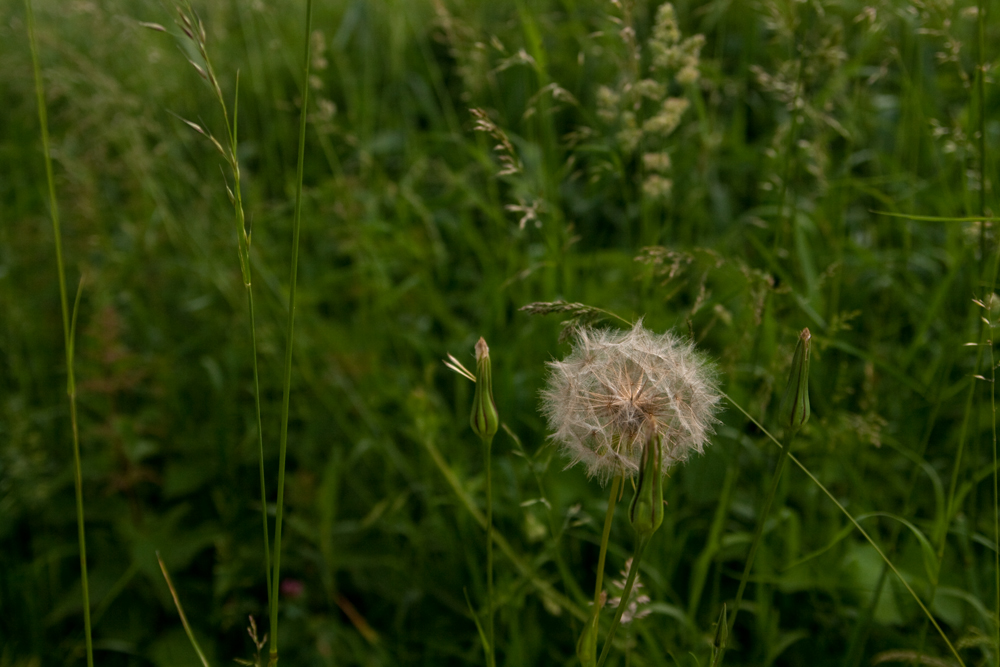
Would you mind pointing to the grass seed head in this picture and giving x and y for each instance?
(617, 389)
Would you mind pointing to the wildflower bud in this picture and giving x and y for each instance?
(794, 409)
(646, 511)
(586, 645)
(485, 419)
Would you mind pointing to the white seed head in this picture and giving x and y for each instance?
(618, 388)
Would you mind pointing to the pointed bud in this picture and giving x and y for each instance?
(646, 511)
(586, 645)
(485, 419)
(794, 409)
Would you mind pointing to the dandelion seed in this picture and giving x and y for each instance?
(618, 388)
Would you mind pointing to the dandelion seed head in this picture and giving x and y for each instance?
(618, 388)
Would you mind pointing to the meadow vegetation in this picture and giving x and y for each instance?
(732, 171)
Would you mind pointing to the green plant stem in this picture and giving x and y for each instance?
(180, 612)
(640, 546)
(260, 442)
(69, 330)
(757, 533)
(491, 658)
(605, 534)
(283, 447)
(981, 117)
(243, 247)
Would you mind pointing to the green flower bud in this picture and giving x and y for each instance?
(794, 409)
(485, 419)
(646, 511)
(586, 645)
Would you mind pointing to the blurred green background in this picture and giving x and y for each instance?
(806, 118)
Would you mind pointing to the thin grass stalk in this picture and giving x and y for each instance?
(640, 547)
(243, 245)
(857, 526)
(69, 331)
(290, 330)
(194, 29)
(260, 445)
(244, 240)
(984, 339)
(996, 498)
(491, 656)
(981, 98)
(757, 533)
(180, 613)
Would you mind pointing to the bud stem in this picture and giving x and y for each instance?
(758, 531)
(491, 659)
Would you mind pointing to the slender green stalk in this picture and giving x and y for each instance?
(640, 547)
(757, 533)
(260, 445)
(586, 648)
(996, 497)
(491, 656)
(608, 518)
(180, 612)
(195, 31)
(69, 331)
(981, 117)
(243, 243)
(283, 447)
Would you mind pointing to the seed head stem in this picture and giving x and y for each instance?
(608, 518)
(758, 531)
(640, 547)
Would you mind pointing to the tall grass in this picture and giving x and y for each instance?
(69, 332)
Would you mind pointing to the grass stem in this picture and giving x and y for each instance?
(69, 331)
(289, 338)
(180, 612)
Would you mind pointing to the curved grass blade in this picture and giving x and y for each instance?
(861, 530)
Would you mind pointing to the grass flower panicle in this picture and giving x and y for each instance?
(638, 603)
(618, 388)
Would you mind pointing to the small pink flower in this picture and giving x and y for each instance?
(292, 588)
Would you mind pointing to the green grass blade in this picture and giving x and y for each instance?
(861, 530)
(69, 329)
(289, 338)
(180, 612)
